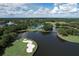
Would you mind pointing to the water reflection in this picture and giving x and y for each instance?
(45, 33)
(61, 40)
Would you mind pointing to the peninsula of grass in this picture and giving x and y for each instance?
(19, 49)
(68, 33)
(70, 38)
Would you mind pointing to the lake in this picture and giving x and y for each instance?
(50, 45)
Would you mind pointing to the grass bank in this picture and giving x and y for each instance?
(19, 49)
(70, 38)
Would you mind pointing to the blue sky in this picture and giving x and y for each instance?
(48, 10)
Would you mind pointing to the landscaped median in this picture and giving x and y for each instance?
(70, 38)
(21, 47)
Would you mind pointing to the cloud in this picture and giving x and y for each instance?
(42, 10)
(12, 9)
(64, 8)
(54, 10)
(23, 10)
(67, 7)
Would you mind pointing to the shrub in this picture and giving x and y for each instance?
(47, 27)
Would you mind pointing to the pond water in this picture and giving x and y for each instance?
(50, 45)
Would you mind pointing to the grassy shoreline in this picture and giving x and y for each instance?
(19, 49)
(34, 30)
(70, 38)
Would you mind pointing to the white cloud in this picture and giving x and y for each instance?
(55, 10)
(42, 10)
(22, 10)
(66, 8)
(63, 8)
(12, 9)
(74, 10)
(29, 11)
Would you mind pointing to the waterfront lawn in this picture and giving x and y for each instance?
(71, 38)
(18, 49)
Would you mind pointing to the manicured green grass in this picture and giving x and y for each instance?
(19, 49)
(32, 30)
(71, 38)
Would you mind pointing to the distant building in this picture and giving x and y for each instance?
(11, 23)
(2, 23)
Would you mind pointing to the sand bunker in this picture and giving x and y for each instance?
(30, 45)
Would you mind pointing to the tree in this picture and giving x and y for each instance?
(63, 32)
(1, 31)
(57, 24)
(6, 39)
(47, 27)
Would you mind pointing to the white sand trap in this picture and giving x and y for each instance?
(30, 45)
(29, 50)
(27, 41)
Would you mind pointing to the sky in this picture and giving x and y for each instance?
(39, 10)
